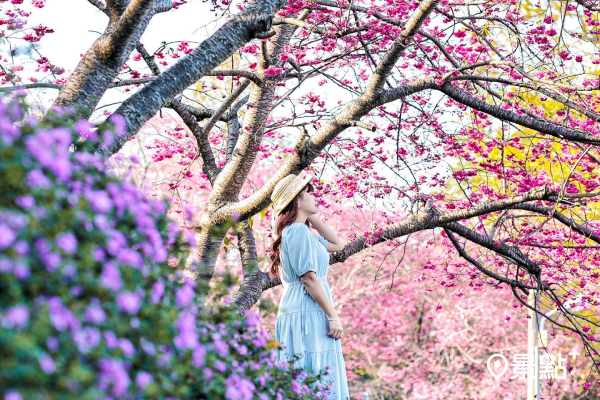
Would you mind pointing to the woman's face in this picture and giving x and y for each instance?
(307, 203)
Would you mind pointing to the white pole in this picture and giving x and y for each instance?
(537, 362)
(540, 331)
(531, 344)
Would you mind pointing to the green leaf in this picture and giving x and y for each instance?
(250, 220)
(263, 212)
(227, 240)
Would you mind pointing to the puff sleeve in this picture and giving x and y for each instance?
(301, 249)
(323, 241)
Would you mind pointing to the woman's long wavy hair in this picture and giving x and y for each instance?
(286, 217)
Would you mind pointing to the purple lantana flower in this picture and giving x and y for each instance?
(158, 288)
(16, 317)
(129, 302)
(47, 363)
(113, 372)
(12, 395)
(67, 242)
(143, 379)
(111, 277)
(7, 236)
(239, 388)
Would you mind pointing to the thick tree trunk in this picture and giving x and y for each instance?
(101, 64)
(255, 281)
(208, 244)
(228, 184)
(230, 180)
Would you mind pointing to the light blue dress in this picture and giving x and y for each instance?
(302, 325)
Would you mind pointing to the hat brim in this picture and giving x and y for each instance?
(300, 187)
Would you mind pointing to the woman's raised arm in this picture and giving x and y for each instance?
(335, 243)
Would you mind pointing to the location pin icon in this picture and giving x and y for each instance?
(495, 366)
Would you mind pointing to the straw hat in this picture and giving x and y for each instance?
(285, 190)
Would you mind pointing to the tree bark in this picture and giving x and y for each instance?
(254, 280)
(229, 181)
(101, 64)
(143, 105)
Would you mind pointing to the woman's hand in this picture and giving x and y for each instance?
(336, 329)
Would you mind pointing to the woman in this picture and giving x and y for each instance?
(307, 323)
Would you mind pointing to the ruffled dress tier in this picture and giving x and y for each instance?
(302, 325)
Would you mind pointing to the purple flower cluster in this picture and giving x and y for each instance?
(113, 372)
(143, 379)
(129, 302)
(67, 242)
(92, 292)
(185, 294)
(186, 325)
(86, 339)
(7, 236)
(50, 149)
(239, 388)
(94, 313)
(15, 317)
(61, 317)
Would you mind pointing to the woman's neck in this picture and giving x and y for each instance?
(301, 217)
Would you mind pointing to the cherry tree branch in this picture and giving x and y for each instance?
(426, 218)
(224, 106)
(233, 125)
(201, 133)
(260, 103)
(102, 63)
(553, 321)
(552, 212)
(117, 5)
(318, 29)
(209, 165)
(143, 105)
(379, 15)
(513, 253)
(203, 113)
(480, 267)
(534, 86)
(139, 81)
(413, 24)
(37, 85)
(507, 115)
(229, 72)
(255, 281)
(98, 4)
(125, 27)
(587, 5)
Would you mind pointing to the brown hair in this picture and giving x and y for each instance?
(286, 217)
